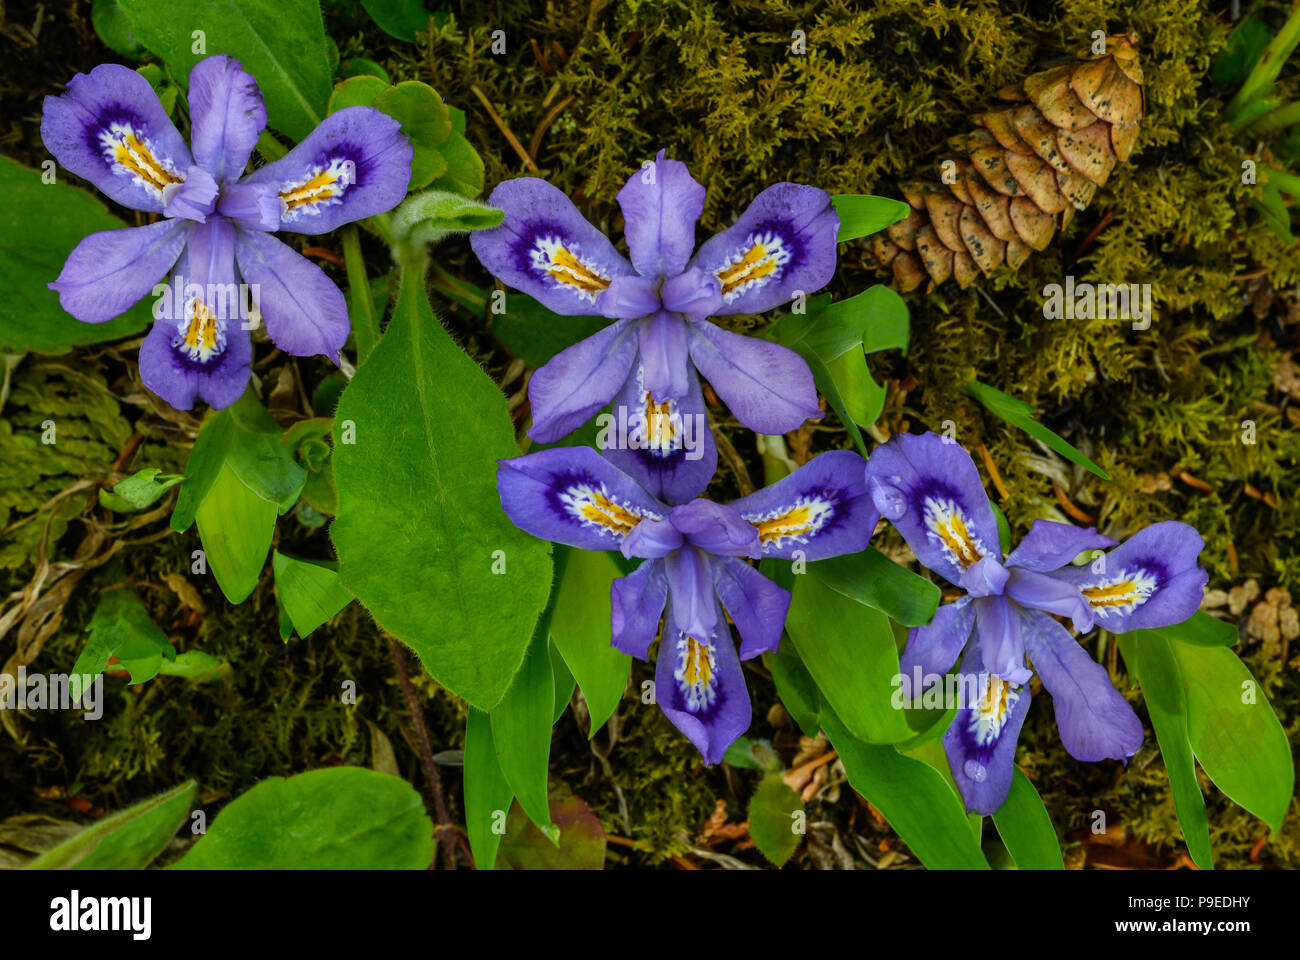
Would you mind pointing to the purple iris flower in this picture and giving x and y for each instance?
(693, 576)
(110, 129)
(929, 488)
(782, 245)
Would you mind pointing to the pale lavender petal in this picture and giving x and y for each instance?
(227, 116)
(716, 528)
(1001, 640)
(1096, 723)
(1043, 591)
(110, 129)
(253, 206)
(935, 647)
(666, 447)
(355, 164)
(768, 387)
(693, 293)
(757, 605)
(109, 271)
(193, 199)
(1152, 579)
(636, 606)
(572, 495)
(546, 248)
(660, 204)
(981, 743)
(579, 380)
(783, 244)
(199, 347)
(690, 582)
(304, 312)
(821, 510)
(651, 539)
(700, 687)
(664, 356)
(928, 488)
(629, 298)
(1050, 545)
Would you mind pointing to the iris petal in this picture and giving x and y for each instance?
(757, 605)
(936, 646)
(981, 743)
(227, 115)
(109, 271)
(636, 606)
(1050, 545)
(660, 204)
(304, 312)
(821, 510)
(579, 380)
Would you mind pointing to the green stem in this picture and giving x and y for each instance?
(1269, 65)
(453, 288)
(1286, 115)
(365, 325)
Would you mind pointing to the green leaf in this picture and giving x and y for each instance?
(309, 591)
(918, 802)
(521, 730)
(359, 91)
(1150, 662)
(1026, 828)
(235, 527)
(1238, 58)
(464, 166)
(428, 427)
(1004, 528)
(581, 843)
(340, 818)
(308, 442)
(280, 42)
(425, 119)
(30, 315)
(772, 819)
(402, 19)
(360, 66)
(129, 840)
(862, 215)
(795, 687)
(113, 29)
(141, 489)
(534, 334)
(1202, 630)
(581, 632)
(873, 579)
(194, 665)
(121, 627)
(435, 214)
(1016, 412)
(1234, 732)
(849, 650)
(243, 440)
(564, 683)
(487, 794)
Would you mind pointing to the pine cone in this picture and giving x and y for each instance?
(1025, 170)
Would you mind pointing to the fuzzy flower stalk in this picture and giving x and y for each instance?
(216, 221)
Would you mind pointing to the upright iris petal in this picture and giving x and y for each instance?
(784, 244)
(111, 129)
(929, 488)
(692, 576)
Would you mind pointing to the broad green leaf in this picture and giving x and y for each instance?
(849, 650)
(356, 92)
(581, 844)
(308, 442)
(417, 107)
(402, 19)
(129, 840)
(534, 334)
(795, 687)
(464, 166)
(243, 440)
(873, 579)
(1245, 45)
(914, 797)
(309, 591)
(280, 42)
(772, 818)
(113, 29)
(141, 489)
(427, 427)
(360, 66)
(339, 818)
(194, 665)
(581, 632)
(1150, 662)
(1026, 828)
(521, 730)
(1234, 732)
(121, 627)
(30, 315)
(1202, 630)
(487, 794)
(430, 216)
(1017, 413)
(562, 677)
(235, 527)
(862, 215)
(1275, 211)
(1004, 528)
